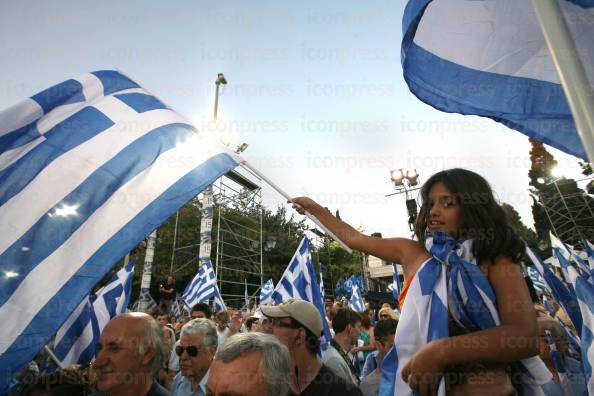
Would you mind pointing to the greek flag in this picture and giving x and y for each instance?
(537, 280)
(266, 292)
(87, 169)
(490, 58)
(203, 287)
(299, 282)
(246, 295)
(75, 341)
(585, 298)
(322, 291)
(560, 293)
(453, 272)
(396, 286)
(152, 304)
(175, 311)
(356, 301)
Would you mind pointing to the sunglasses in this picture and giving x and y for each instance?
(191, 350)
(293, 325)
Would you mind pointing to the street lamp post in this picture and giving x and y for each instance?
(220, 80)
(406, 181)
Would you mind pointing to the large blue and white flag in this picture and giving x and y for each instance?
(585, 297)
(88, 168)
(299, 282)
(266, 292)
(490, 58)
(75, 341)
(203, 287)
(356, 301)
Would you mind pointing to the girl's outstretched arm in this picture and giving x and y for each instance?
(403, 251)
(516, 338)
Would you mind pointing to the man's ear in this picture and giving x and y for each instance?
(148, 356)
(212, 350)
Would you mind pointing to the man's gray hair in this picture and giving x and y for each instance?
(204, 326)
(275, 364)
(153, 339)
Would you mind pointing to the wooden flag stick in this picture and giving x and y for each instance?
(246, 165)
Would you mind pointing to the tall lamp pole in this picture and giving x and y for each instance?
(406, 181)
(220, 80)
(208, 199)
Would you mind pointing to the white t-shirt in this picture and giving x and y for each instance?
(222, 335)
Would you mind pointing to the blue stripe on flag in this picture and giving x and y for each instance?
(438, 320)
(505, 101)
(19, 137)
(61, 138)
(141, 102)
(69, 91)
(114, 81)
(583, 3)
(49, 318)
(54, 230)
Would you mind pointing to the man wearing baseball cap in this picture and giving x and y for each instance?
(298, 326)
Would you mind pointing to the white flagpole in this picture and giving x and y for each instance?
(575, 83)
(54, 357)
(288, 197)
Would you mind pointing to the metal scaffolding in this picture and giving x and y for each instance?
(567, 212)
(237, 240)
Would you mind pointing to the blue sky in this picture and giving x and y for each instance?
(315, 89)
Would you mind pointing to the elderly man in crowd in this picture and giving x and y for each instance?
(130, 353)
(298, 326)
(250, 364)
(196, 349)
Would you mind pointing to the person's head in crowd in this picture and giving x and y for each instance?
(59, 383)
(222, 318)
(162, 318)
(384, 335)
(250, 364)
(297, 324)
(196, 349)
(251, 324)
(386, 305)
(558, 334)
(130, 352)
(347, 324)
(265, 326)
(335, 307)
(151, 312)
(386, 313)
(366, 319)
(200, 310)
(170, 280)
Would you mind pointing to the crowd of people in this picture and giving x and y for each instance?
(465, 324)
(272, 350)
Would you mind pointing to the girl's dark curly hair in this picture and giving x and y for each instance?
(482, 218)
